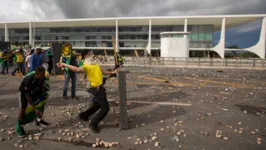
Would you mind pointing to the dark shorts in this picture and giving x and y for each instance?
(23, 102)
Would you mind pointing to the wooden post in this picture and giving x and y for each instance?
(136, 53)
(105, 53)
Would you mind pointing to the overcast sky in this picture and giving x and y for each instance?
(22, 10)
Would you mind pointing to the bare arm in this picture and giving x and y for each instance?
(70, 67)
(105, 72)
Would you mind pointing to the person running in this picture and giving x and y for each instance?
(95, 77)
(31, 87)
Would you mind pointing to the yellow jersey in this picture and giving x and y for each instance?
(19, 57)
(94, 74)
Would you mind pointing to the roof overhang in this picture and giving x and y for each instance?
(216, 21)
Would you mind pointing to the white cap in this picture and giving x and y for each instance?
(38, 47)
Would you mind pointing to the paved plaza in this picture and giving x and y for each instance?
(168, 108)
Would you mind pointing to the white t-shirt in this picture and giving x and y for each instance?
(28, 60)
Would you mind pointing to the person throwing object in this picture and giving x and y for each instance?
(95, 77)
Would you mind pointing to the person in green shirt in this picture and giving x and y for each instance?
(49, 57)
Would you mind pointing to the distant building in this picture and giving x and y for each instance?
(131, 33)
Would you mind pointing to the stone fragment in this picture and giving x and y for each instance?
(208, 114)
(226, 138)
(21, 146)
(3, 130)
(59, 139)
(154, 138)
(157, 144)
(179, 133)
(145, 141)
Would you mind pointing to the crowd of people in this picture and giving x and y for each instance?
(35, 86)
(24, 61)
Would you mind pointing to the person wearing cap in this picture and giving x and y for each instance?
(95, 77)
(36, 59)
(19, 54)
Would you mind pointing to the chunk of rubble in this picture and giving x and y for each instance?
(226, 138)
(154, 138)
(208, 114)
(157, 144)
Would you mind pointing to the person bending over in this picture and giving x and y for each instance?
(31, 87)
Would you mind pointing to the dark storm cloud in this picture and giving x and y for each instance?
(118, 8)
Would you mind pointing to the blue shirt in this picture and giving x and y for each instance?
(36, 60)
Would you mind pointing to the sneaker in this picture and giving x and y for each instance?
(42, 123)
(22, 133)
(81, 117)
(94, 129)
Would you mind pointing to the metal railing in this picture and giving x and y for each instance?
(204, 62)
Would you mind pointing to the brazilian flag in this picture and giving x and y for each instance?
(39, 102)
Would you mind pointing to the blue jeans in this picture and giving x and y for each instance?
(19, 67)
(70, 75)
(4, 67)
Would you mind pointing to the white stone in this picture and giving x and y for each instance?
(154, 138)
(157, 144)
(226, 138)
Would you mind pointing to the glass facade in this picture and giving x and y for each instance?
(129, 36)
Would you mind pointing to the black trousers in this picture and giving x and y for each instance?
(50, 66)
(99, 102)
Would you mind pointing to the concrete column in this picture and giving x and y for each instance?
(116, 36)
(6, 33)
(260, 47)
(30, 34)
(122, 99)
(219, 48)
(149, 40)
(185, 27)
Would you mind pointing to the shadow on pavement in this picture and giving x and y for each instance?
(251, 109)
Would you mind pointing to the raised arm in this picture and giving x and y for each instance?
(70, 67)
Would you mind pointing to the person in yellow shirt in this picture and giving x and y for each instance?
(95, 77)
(20, 62)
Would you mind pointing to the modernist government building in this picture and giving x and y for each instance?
(171, 36)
